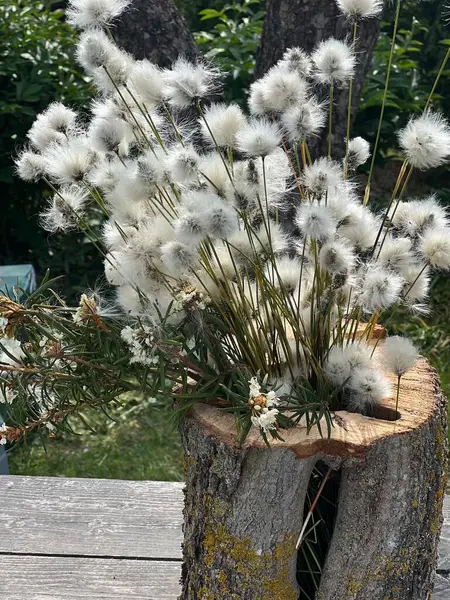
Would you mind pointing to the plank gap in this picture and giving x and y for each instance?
(89, 556)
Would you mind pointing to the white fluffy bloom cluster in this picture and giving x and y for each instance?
(353, 369)
(263, 407)
(359, 9)
(210, 213)
(94, 13)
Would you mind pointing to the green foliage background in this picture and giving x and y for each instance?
(37, 66)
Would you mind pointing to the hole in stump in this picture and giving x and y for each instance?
(316, 541)
(384, 413)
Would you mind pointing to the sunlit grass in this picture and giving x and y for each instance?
(136, 442)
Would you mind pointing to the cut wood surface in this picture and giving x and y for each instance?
(91, 517)
(352, 433)
(75, 576)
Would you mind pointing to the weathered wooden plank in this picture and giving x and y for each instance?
(68, 578)
(90, 517)
(441, 588)
(444, 544)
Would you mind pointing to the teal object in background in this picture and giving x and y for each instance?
(17, 276)
(13, 278)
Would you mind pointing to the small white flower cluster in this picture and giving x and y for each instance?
(189, 299)
(3, 431)
(7, 394)
(263, 407)
(141, 342)
(87, 307)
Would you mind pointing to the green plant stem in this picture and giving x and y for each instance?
(330, 120)
(349, 106)
(383, 104)
(438, 76)
(398, 392)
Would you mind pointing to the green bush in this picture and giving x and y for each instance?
(233, 42)
(418, 53)
(36, 67)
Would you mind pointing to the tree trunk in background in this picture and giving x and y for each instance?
(244, 506)
(155, 29)
(305, 23)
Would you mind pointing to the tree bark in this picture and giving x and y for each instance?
(155, 29)
(244, 505)
(305, 23)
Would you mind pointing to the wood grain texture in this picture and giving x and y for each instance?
(444, 544)
(90, 517)
(65, 578)
(352, 434)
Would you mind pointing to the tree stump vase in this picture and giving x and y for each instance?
(244, 506)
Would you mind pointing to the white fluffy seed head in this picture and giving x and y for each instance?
(146, 81)
(183, 163)
(315, 221)
(177, 258)
(342, 362)
(336, 257)
(64, 208)
(396, 253)
(413, 218)
(41, 134)
(417, 284)
(381, 288)
(69, 163)
(334, 62)
(434, 246)
(30, 166)
(286, 274)
(399, 355)
(426, 141)
(303, 121)
(359, 9)
(296, 60)
(358, 152)
(94, 13)
(359, 227)
(221, 124)
(108, 135)
(256, 99)
(60, 117)
(188, 83)
(259, 137)
(366, 388)
(283, 89)
(103, 60)
(323, 176)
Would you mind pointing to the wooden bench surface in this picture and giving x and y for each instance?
(92, 539)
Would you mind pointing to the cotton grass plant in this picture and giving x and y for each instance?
(241, 270)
